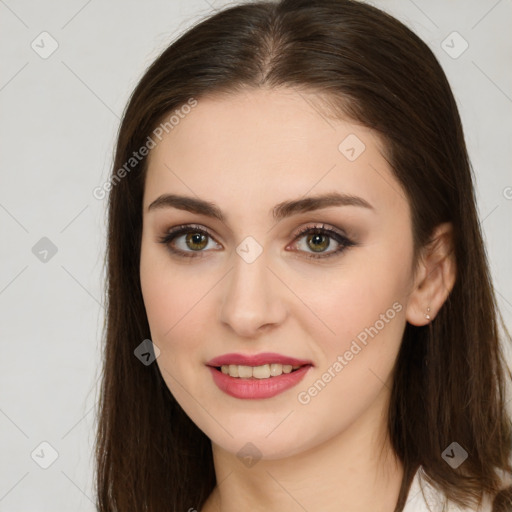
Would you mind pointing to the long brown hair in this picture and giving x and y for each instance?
(450, 376)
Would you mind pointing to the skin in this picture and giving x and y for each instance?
(246, 153)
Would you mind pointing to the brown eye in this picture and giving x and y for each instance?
(195, 240)
(318, 240)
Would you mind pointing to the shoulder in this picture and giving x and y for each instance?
(424, 497)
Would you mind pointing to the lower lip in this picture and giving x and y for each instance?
(257, 388)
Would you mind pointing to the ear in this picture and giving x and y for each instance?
(434, 277)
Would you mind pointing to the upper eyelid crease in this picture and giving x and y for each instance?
(279, 212)
(341, 239)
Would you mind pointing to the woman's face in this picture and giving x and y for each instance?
(332, 301)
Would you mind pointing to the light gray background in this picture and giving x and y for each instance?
(58, 125)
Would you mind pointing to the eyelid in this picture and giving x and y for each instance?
(319, 226)
(339, 236)
(177, 231)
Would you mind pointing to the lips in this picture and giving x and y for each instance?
(256, 360)
(263, 386)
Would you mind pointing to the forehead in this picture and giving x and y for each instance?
(266, 146)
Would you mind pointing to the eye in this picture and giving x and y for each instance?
(319, 239)
(195, 240)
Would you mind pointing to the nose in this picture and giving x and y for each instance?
(254, 299)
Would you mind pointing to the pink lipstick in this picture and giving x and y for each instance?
(273, 374)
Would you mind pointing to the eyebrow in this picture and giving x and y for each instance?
(280, 211)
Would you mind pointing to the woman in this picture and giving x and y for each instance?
(300, 313)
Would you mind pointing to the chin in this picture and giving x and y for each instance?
(262, 443)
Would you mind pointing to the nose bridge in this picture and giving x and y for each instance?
(250, 296)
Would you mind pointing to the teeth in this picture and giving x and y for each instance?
(244, 372)
(258, 372)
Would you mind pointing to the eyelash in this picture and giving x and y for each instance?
(342, 240)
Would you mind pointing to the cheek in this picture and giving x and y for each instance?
(367, 315)
(169, 292)
(164, 301)
(364, 291)
(169, 299)
(363, 305)
(176, 298)
(368, 305)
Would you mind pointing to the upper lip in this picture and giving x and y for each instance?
(256, 360)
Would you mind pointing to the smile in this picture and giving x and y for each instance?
(264, 371)
(256, 376)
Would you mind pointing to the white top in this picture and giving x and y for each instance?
(432, 500)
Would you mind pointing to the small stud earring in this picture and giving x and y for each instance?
(427, 316)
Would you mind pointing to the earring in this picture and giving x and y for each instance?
(427, 316)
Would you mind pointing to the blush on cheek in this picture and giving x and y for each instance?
(366, 333)
(178, 324)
